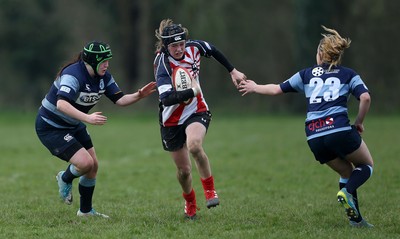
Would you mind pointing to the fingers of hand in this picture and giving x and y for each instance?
(148, 89)
(100, 119)
(243, 83)
(151, 85)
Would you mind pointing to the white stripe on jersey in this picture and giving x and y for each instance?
(187, 111)
(164, 88)
(208, 45)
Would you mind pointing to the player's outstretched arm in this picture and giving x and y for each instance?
(249, 86)
(143, 92)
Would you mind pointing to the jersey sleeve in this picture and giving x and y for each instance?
(68, 87)
(208, 50)
(162, 75)
(357, 86)
(293, 84)
(113, 92)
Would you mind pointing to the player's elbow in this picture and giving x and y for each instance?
(61, 104)
(121, 102)
(365, 97)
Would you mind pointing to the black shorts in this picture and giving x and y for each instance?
(63, 143)
(331, 146)
(174, 137)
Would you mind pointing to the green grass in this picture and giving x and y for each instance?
(269, 184)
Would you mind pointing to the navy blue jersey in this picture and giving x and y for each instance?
(81, 90)
(327, 93)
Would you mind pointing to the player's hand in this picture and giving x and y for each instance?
(97, 118)
(196, 87)
(237, 77)
(247, 86)
(147, 89)
(359, 127)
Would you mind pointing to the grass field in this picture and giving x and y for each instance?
(268, 182)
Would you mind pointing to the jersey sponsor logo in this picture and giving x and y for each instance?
(88, 98)
(66, 89)
(321, 124)
(329, 121)
(334, 71)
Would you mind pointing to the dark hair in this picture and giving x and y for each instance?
(75, 59)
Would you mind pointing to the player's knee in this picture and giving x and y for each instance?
(194, 147)
(86, 165)
(184, 172)
(95, 166)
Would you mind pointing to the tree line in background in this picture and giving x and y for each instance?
(267, 40)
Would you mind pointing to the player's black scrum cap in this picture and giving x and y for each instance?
(173, 33)
(96, 52)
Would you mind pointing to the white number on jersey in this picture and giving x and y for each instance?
(333, 84)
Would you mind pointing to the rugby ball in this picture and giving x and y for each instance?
(181, 79)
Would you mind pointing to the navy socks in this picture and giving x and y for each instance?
(358, 177)
(70, 174)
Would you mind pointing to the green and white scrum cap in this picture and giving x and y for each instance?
(95, 52)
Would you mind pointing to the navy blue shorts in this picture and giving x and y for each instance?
(174, 137)
(331, 146)
(63, 143)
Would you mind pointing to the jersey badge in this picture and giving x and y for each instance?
(317, 71)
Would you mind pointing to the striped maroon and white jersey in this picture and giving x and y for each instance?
(163, 67)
